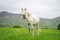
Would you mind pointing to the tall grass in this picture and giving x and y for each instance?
(22, 34)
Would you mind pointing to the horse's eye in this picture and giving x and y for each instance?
(25, 12)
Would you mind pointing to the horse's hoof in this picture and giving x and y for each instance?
(38, 34)
(40, 30)
(32, 33)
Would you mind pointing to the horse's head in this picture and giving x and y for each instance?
(25, 13)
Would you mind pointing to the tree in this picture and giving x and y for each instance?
(58, 27)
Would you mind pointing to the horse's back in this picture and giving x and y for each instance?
(34, 19)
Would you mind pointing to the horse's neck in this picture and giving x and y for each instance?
(28, 15)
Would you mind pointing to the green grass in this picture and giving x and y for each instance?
(22, 34)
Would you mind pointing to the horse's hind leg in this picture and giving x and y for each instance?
(39, 28)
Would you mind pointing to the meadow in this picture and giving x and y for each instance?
(22, 34)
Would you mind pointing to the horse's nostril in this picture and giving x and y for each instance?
(25, 12)
(23, 16)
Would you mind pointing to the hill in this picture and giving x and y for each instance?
(9, 19)
(50, 23)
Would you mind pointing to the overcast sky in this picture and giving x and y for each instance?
(41, 8)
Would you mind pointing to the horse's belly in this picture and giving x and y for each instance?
(34, 20)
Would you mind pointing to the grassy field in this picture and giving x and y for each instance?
(22, 34)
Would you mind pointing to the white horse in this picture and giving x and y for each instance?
(32, 21)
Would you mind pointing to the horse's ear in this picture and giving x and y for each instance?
(25, 8)
(22, 9)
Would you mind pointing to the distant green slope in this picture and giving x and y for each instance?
(50, 23)
(9, 19)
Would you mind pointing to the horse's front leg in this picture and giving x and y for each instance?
(32, 29)
(29, 28)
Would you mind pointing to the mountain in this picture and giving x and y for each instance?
(50, 23)
(9, 20)
(7, 14)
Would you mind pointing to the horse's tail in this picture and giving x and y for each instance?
(39, 25)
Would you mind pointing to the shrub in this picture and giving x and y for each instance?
(17, 26)
(58, 27)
